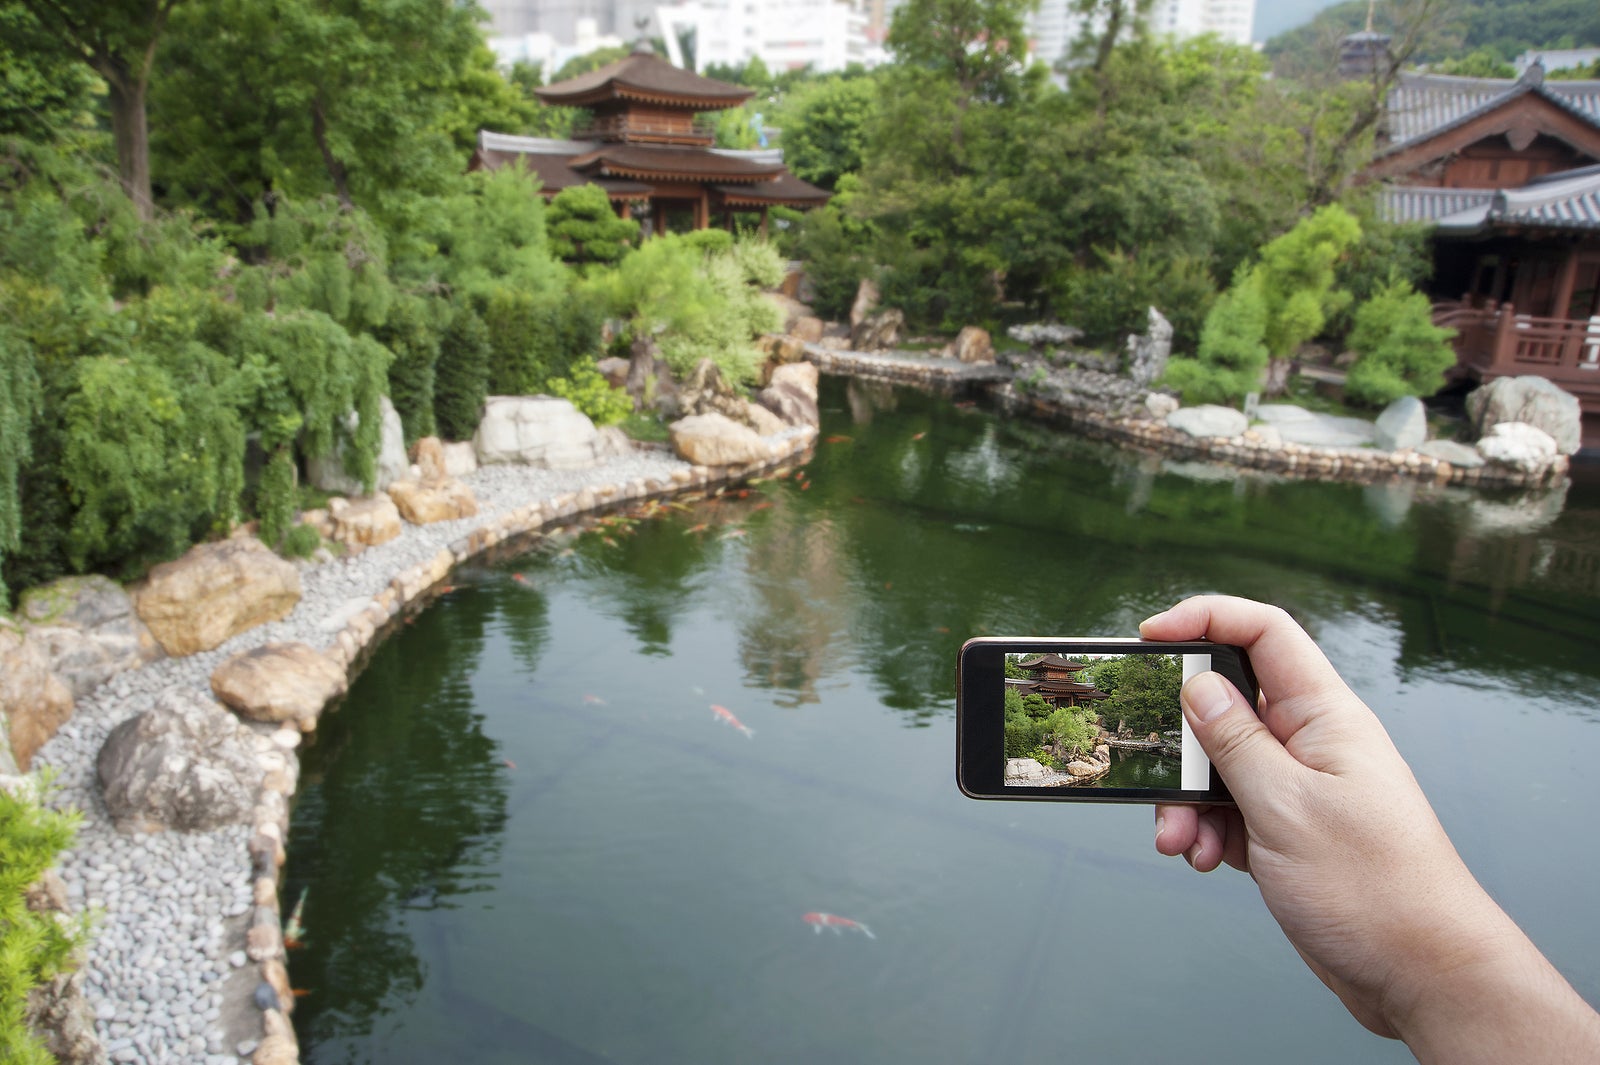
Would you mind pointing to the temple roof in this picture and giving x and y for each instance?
(785, 190)
(1428, 203)
(1422, 106)
(644, 76)
(1050, 661)
(670, 163)
(1569, 200)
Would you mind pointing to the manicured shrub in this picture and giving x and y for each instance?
(710, 241)
(20, 400)
(583, 227)
(536, 338)
(275, 496)
(411, 333)
(1401, 352)
(1233, 351)
(1111, 299)
(301, 541)
(461, 377)
(592, 394)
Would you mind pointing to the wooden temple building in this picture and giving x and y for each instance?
(1507, 175)
(645, 145)
(1054, 678)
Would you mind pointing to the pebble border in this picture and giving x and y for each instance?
(270, 818)
(1360, 465)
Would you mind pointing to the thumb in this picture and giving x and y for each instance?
(1247, 755)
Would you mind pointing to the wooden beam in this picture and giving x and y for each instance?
(763, 221)
(1569, 274)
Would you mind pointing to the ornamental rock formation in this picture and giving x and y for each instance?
(279, 682)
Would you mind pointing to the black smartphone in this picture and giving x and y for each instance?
(1086, 720)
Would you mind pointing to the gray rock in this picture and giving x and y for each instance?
(1532, 401)
(1044, 334)
(1148, 354)
(88, 629)
(185, 764)
(1402, 425)
(1456, 454)
(1159, 404)
(1208, 420)
(1297, 425)
(1519, 445)
(878, 332)
(328, 472)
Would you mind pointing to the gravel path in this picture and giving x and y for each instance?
(166, 971)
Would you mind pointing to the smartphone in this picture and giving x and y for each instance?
(1086, 720)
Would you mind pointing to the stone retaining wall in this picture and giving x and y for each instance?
(1357, 464)
(270, 820)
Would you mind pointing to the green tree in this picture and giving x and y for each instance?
(44, 87)
(1233, 352)
(1142, 691)
(34, 946)
(1400, 351)
(589, 61)
(411, 333)
(825, 125)
(20, 400)
(118, 39)
(1478, 63)
(461, 382)
(583, 227)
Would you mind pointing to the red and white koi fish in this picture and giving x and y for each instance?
(734, 534)
(919, 436)
(519, 578)
(837, 925)
(594, 700)
(726, 715)
(294, 933)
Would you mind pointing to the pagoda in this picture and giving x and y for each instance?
(1055, 679)
(645, 148)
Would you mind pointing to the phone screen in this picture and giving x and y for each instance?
(1085, 720)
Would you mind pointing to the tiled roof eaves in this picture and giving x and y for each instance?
(1420, 94)
(1462, 119)
(1411, 203)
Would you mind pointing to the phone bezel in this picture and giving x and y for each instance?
(980, 715)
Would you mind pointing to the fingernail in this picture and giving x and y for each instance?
(1208, 696)
(1161, 823)
(1153, 617)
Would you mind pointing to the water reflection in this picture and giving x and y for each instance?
(529, 839)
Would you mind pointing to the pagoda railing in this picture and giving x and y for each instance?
(695, 132)
(1499, 342)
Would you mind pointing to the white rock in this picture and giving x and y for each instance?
(540, 431)
(459, 459)
(1159, 404)
(328, 473)
(1533, 401)
(1519, 445)
(1456, 454)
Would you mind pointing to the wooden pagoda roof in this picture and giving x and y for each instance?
(642, 162)
(646, 77)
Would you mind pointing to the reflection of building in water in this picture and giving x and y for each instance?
(792, 631)
(1054, 678)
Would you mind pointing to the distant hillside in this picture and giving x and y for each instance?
(1505, 29)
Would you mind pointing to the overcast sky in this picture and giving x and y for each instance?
(1275, 16)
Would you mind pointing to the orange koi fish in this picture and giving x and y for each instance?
(702, 527)
(734, 534)
(447, 589)
(726, 715)
(763, 505)
(608, 541)
(837, 925)
(299, 992)
(839, 439)
(519, 578)
(594, 700)
(918, 436)
(293, 931)
(744, 493)
(805, 486)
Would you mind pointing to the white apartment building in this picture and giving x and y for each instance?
(549, 51)
(826, 35)
(1054, 27)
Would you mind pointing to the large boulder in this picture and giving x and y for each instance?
(1519, 445)
(328, 472)
(801, 376)
(1025, 771)
(1042, 335)
(540, 431)
(762, 420)
(34, 702)
(215, 592)
(1208, 420)
(279, 682)
(1313, 429)
(781, 349)
(441, 499)
(791, 394)
(184, 764)
(878, 332)
(88, 628)
(460, 459)
(427, 455)
(809, 329)
(973, 345)
(366, 522)
(791, 309)
(716, 440)
(1402, 425)
(1532, 401)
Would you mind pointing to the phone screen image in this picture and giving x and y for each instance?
(1101, 721)
(1087, 720)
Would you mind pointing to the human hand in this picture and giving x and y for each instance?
(1349, 856)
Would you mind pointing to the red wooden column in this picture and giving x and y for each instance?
(763, 220)
(1564, 286)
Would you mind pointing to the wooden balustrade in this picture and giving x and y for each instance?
(1498, 342)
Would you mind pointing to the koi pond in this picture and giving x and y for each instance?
(530, 835)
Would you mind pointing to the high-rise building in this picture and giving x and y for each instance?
(559, 19)
(825, 35)
(1055, 27)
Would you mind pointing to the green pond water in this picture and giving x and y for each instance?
(527, 837)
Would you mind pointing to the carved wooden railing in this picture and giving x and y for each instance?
(1498, 342)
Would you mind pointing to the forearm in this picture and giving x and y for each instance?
(1492, 997)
